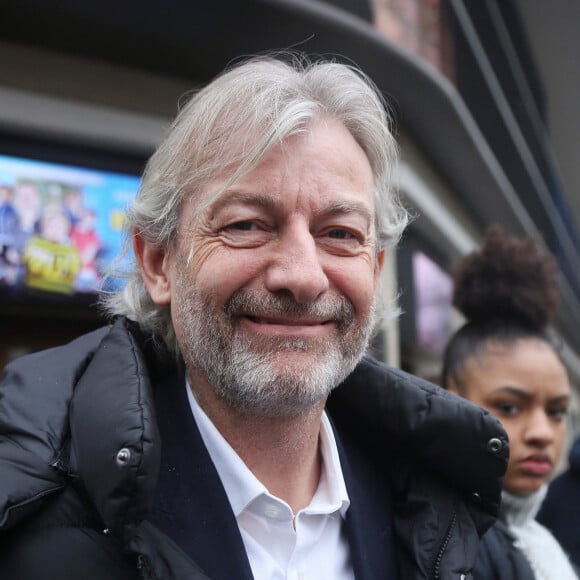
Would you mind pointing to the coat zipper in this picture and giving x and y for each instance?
(436, 568)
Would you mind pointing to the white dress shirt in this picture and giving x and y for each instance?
(315, 547)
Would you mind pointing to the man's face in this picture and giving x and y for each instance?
(273, 286)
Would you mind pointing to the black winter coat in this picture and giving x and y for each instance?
(71, 507)
(499, 558)
(560, 512)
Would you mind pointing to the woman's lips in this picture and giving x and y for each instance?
(536, 465)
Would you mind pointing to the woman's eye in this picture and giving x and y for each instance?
(558, 413)
(507, 409)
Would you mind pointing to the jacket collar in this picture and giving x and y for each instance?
(400, 418)
(115, 445)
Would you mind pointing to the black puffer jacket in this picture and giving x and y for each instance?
(65, 489)
(560, 512)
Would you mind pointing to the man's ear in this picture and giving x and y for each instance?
(381, 260)
(154, 266)
(379, 267)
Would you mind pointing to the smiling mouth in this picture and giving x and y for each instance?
(286, 321)
(300, 328)
(281, 315)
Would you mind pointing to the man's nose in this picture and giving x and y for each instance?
(296, 266)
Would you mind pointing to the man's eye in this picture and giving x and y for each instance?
(340, 234)
(345, 241)
(245, 226)
(345, 234)
(249, 233)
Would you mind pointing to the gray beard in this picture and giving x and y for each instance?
(249, 373)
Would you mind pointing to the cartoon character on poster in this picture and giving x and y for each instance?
(86, 239)
(9, 234)
(52, 261)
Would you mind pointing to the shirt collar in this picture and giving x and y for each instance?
(242, 487)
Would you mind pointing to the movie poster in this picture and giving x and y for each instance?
(60, 226)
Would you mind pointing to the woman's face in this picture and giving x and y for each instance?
(526, 387)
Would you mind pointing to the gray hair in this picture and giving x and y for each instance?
(232, 124)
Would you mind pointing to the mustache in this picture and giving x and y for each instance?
(248, 303)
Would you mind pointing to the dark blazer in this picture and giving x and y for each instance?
(189, 484)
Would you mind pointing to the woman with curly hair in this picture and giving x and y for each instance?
(505, 360)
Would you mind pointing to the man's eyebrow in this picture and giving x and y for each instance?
(347, 207)
(270, 202)
(244, 197)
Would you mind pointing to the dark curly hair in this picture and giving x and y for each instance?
(507, 291)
